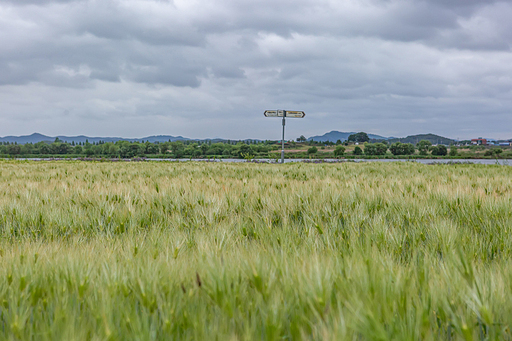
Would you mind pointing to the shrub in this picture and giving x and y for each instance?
(453, 151)
(423, 146)
(439, 150)
(375, 149)
(339, 151)
(399, 148)
(493, 151)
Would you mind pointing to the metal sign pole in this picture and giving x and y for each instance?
(283, 114)
(282, 141)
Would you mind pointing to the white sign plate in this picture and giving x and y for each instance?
(299, 114)
(280, 113)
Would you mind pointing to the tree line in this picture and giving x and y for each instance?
(227, 149)
(127, 149)
(397, 148)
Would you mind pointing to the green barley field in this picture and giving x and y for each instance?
(213, 251)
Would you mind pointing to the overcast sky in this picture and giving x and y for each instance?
(205, 68)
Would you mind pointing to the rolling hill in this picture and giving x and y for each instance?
(334, 136)
(36, 137)
(433, 138)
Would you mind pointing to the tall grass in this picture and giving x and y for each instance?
(201, 251)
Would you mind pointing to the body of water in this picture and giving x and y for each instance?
(423, 161)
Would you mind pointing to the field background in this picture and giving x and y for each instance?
(212, 251)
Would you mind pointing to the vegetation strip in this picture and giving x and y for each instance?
(201, 251)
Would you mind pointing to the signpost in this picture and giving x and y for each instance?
(283, 114)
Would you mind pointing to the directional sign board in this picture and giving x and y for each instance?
(284, 114)
(299, 114)
(281, 113)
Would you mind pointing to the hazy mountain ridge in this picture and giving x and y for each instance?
(433, 138)
(334, 136)
(36, 137)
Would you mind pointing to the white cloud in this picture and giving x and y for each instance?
(210, 68)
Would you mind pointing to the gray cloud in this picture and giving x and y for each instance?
(205, 68)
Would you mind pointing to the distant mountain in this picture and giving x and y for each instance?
(334, 136)
(36, 137)
(433, 138)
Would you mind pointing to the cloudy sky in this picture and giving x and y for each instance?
(209, 68)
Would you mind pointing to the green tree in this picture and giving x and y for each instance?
(360, 137)
(13, 149)
(44, 148)
(177, 148)
(192, 150)
(150, 148)
(97, 149)
(493, 151)
(339, 151)
(453, 151)
(124, 148)
(242, 150)
(55, 146)
(358, 151)
(164, 147)
(375, 149)
(302, 138)
(204, 147)
(218, 149)
(27, 148)
(439, 150)
(88, 148)
(399, 148)
(110, 149)
(312, 150)
(423, 146)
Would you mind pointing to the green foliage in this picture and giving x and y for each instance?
(361, 137)
(424, 146)
(44, 148)
(339, 151)
(432, 138)
(453, 151)
(127, 149)
(177, 149)
(358, 151)
(27, 149)
(375, 149)
(242, 149)
(439, 150)
(399, 148)
(13, 149)
(312, 150)
(493, 152)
